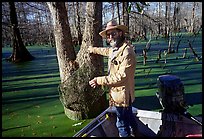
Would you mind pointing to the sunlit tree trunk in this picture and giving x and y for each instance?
(78, 98)
(65, 50)
(79, 34)
(91, 63)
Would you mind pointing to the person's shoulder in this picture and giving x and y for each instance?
(128, 44)
(130, 47)
(128, 50)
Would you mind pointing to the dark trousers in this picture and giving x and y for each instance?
(126, 121)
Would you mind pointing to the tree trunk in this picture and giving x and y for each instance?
(193, 18)
(79, 34)
(159, 16)
(113, 10)
(20, 53)
(118, 11)
(80, 101)
(125, 14)
(167, 17)
(92, 64)
(65, 50)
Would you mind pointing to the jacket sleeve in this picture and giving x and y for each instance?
(101, 50)
(120, 76)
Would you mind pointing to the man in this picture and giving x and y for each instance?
(120, 78)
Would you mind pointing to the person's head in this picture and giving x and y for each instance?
(114, 33)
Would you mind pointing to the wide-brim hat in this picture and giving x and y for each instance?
(113, 25)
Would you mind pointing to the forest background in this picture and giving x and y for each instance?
(35, 23)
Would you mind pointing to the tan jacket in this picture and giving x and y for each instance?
(122, 72)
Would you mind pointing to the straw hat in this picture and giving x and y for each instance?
(113, 25)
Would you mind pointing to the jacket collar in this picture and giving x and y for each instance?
(118, 51)
(121, 49)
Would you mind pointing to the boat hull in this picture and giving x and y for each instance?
(150, 124)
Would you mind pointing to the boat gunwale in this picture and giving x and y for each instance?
(139, 113)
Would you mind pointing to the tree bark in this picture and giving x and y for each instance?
(20, 53)
(125, 14)
(113, 10)
(91, 35)
(65, 50)
(118, 11)
(93, 64)
(79, 34)
(167, 13)
(159, 15)
(80, 101)
(193, 18)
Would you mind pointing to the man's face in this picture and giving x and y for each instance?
(113, 37)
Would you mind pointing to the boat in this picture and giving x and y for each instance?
(150, 124)
(172, 121)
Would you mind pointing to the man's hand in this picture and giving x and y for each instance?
(93, 83)
(90, 49)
